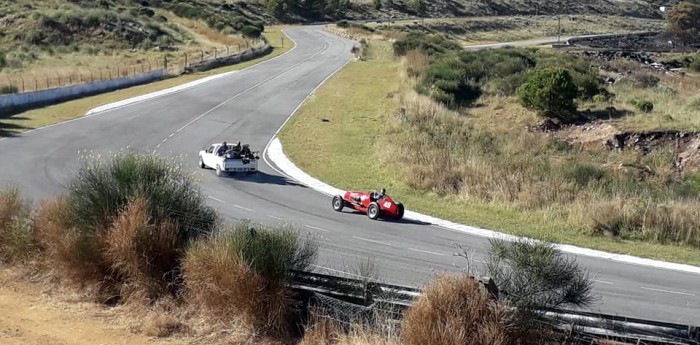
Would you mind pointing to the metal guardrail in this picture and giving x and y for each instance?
(586, 325)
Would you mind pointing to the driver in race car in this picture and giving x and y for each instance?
(376, 196)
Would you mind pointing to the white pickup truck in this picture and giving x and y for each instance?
(229, 159)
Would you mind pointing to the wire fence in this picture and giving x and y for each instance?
(33, 81)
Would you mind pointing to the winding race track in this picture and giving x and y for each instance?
(250, 105)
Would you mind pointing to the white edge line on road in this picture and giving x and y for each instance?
(603, 282)
(243, 208)
(215, 199)
(667, 291)
(425, 251)
(149, 96)
(370, 240)
(284, 166)
(274, 217)
(317, 228)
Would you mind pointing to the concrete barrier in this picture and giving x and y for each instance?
(247, 55)
(20, 101)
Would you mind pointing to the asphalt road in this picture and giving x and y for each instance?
(250, 105)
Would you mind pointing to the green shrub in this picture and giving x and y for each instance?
(342, 23)
(430, 44)
(550, 92)
(102, 188)
(695, 64)
(250, 31)
(272, 252)
(535, 275)
(643, 105)
(603, 97)
(588, 85)
(445, 82)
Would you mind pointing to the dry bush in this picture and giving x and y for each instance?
(416, 62)
(454, 310)
(15, 226)
(220, 280)
(144, 256)
(673, 222)
(322, 331)
(133, 259)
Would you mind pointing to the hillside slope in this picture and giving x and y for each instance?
(44, 35)
(309, 10)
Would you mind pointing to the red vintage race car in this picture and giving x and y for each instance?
(375, 205)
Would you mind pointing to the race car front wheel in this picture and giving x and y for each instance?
(400, 210)
(338, 203)
(373, 211)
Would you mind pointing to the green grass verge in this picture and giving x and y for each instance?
(76, 108)
(359, 102)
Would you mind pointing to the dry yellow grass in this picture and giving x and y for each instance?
(218, 279)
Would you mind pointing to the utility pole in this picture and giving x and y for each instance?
(559, 23)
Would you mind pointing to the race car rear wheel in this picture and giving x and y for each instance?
(399, 211)
(201, 163)
(373, 211)
(338, 203)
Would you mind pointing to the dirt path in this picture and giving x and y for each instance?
(29, 317)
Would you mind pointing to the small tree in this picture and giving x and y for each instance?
(275, 7)
(550, 92)
(684, 17)
(3, 60)
(534, 275)
(250, 31)
(419, 6)
(377, 4)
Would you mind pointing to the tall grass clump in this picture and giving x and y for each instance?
(16, 226)
(243, 274)
(455, 310)
(123, 225)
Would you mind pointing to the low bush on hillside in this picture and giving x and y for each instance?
(16, 226)
(430, 44)
(457, 78)
(243, 274)
(550, 92)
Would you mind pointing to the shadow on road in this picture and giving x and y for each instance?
(11, 129)
(265, 178)
(388, 220)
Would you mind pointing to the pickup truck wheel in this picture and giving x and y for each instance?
(338, 203)
(201, 163)
(373, 211)
(219, 172)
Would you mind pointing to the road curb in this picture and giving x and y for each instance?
(275, 153)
